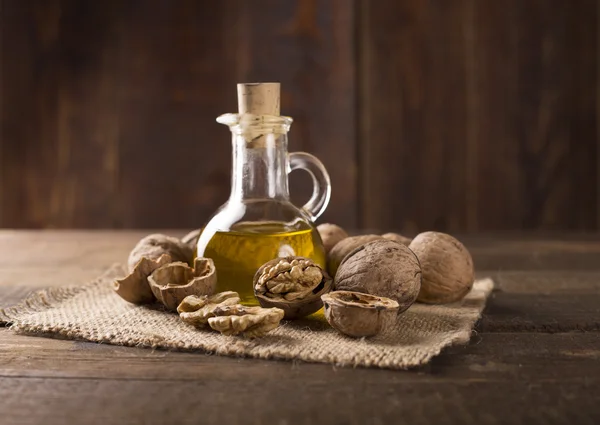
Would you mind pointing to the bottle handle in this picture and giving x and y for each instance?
(321, 182)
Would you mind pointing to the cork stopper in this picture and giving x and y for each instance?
(259, 98)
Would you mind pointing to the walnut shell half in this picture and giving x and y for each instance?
(448, 271)
(343, 248)
(155, 245)
(173, 282)
(357, 314)
(135, 288)
(293, 284)
(383, 268)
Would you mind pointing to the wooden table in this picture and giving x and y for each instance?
(535, 357)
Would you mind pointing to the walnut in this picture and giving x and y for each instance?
(331, 234)
(397, 237)
(192, 237)
(293, 284)
(155, 245)
(343, 248)
(196, 310)
(357, 314)
(223, 313)
(383, 268)
(448, 271)
(252, 322)
(173, 282)
(135, 288)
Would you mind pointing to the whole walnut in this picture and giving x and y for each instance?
(448, 271)
(155, 245)
(331, 234)
(397, 237)
(383, 268)
(343, 248)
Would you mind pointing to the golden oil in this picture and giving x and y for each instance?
(239, 252)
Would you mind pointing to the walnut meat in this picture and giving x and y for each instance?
(173, 282)
(196, 310)
(331, 234)
(293, 284)
(155, 245)
(343, 248)
(135, 288)
(252, 322)
(357, 314)
(448, 271)
(383, 268)
(397, 238)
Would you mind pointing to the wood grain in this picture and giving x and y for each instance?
(413, 79)
(532, 112)
(465, 116)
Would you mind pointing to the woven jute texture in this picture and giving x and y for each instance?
(93, 312)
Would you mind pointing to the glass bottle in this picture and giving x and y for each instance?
(258, 222)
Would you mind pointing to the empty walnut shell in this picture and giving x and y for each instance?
(397, 237)
(357, 314)
(448, 271)
(383, 268)
(135, 287)
(155, 245)
(293, 284)
(173, 282)
(331, 234)
(343, 248)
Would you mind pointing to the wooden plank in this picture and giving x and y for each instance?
(413, 146)
(28, 133)
(495, 357)
(543, 302)
(88, 115)
(535, 116)
(89, 249)
(308, 45)
(60, 131)
(175, 159)
(501, 378)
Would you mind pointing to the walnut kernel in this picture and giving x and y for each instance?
(196, 310)
(293, 284)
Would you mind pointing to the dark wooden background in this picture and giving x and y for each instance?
(463, 115)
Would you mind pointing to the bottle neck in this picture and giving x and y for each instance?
(260, 167)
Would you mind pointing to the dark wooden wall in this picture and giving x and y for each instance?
(463, 115)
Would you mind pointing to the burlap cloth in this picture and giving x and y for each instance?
(93, 312)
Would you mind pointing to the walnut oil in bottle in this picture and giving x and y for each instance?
(240, 251)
